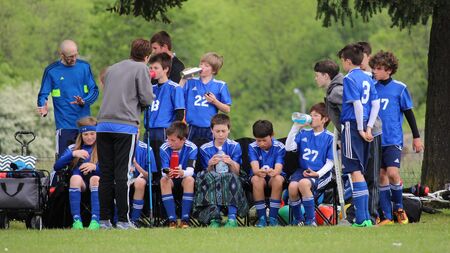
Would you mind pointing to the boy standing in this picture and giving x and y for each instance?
(205, 96)
(358, 121)
(315, 149)
(327, 76)
(266, 157)
(168, 105)
(395, 101)
(162, 43)
(181, 176)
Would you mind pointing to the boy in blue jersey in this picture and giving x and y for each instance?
(71, 84)
(395, 101)
(266, 156)
(315, 150)
(219, 185)
(168, 105)
(141, 165)
(181, 176)
(358, 118)
(205, 96)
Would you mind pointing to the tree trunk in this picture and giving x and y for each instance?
(436, 165)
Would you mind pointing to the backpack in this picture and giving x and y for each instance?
(413, 209)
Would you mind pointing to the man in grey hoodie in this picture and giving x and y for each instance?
(127, 91)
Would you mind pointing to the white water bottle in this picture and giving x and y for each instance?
(188, 73)
(221, 166)
(301, 118)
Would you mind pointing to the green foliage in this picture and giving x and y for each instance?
(18, 113)
(269, 48)
(403, 13)
(154, 10)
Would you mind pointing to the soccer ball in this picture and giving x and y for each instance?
(327, 212)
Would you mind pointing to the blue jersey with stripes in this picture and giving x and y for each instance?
(314, 148)
(230, 148)
(63, 83)
(188, 152)
(141, 156)
(270, 157)
(168, 98)
(198, 110)
(394, 100)
(357, 86)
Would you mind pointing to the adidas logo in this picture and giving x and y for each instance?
(62, 78)
(305, 139)
(396, 161)
(195, 88)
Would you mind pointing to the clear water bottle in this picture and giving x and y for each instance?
(221, 166)
(301, 118)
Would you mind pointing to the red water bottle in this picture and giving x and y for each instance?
(174, 160)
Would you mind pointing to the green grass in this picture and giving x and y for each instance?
(432, 234)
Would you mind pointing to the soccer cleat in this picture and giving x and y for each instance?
(402, 218)
(261, 222)
(123, 225)
(273, 222)
(77, 225)
(385, 222)
(94, 225)
(364, 224)
(231, 223)
(214, 224)
(300, 224)
(105, 224)
(172, 224)
(184, 224)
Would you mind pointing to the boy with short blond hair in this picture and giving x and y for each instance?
(205, 96)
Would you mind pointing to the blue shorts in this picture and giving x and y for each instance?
(391, 156)
(199, 133)
(156, 134)
(86, 178)
(316, 184)
(355, 150)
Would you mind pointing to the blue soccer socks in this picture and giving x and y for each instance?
(75, 201)
(360, 201)
(138, 205)
(169, 205)
(308, 204)
(95, 205)
(385, 201)
(188, 199)
(396, 191)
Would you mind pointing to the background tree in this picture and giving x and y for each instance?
(404, 14)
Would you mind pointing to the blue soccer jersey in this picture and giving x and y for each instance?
(198, 110)
(395, 99)
(314, 150)
(357, 86)
(141, 155)
(269, 157)
(168, 98)
(188, 152)
(230, 148)
(63, 83)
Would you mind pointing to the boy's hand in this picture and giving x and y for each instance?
(43, 110)
(364, 136)
(417, 145)
(227, 159)
(369, 134)
(78, 101)
(210, 97)
(310, 173)
(261, 173)
(271, 172)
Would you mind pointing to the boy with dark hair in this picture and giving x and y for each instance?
(162, 43)
(205, 97)
(395, 101)
(127, 90)
(168, 105)
(358, 118)
(219, 185)
(367, 51)
(327, 76)
(315, 150)
(181, 176)
(266, 156)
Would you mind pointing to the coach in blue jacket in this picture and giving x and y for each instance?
(72, 87)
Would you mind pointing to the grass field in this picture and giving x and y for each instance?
(432, 234)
